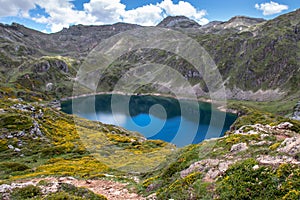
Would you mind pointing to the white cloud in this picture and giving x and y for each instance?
(271, 8)
(106, 11)
(184, 8)
(111, 11)
(15, 7)
(63, 13)
(148, 15)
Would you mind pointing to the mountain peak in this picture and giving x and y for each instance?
(178, 22)
(239, 23)
(246, 20)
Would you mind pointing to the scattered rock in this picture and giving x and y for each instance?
(21, 134)
(60, 64)
(4, 188)
(223, 166)
(255, 167)
(42, 66)
(54, 104)
(49, 86)
(70, 178)
(211, 167)
(238, 147)
(24, 108)
(152, 187)
(136, 179)
(263, 136)
(200, 166)
(20, 143)
(261, 143)
(112, 190)
(281, 130)
(35, 130)
(284, 125)
(152, 197)
(290, 146)
(38, 115)
(9, 136)
(296, 114)
(212, 174)
(276, 160)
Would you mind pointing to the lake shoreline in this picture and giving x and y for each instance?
(138, 116)
(219, 107)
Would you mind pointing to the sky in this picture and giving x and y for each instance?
(53, 15)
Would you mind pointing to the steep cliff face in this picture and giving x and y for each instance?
(74, 41)
(80, 40)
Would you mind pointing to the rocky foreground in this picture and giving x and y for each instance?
(43, 157)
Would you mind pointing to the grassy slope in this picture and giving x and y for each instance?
(254, 58)
(241, 180)
(61, 151)
(251, 59)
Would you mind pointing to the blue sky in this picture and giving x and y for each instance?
(53, 15)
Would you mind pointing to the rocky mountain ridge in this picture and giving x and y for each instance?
(258, 59)
(238, 23)
(178, 22)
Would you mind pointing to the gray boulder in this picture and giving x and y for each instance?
(296, 114)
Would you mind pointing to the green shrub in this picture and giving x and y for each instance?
(15, 121)
(3, 145)
(62, 196)
(80, 192)
(9, 167)
(201, 190)
(181, 188)
(241, 181)
(44, 183)
(292, 195)
(27, 192)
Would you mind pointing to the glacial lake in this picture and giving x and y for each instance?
(180, 122)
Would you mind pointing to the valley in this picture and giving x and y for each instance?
(48, 154)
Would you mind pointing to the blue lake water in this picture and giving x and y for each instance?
(180, 122)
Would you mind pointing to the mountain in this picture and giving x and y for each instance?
(178, 22)
(258, 59)
(47, 154)
(237, 23)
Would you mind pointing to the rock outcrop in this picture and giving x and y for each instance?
(296, 114)
(178, 22)
(237, 23)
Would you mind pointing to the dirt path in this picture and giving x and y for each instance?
(111, 189)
